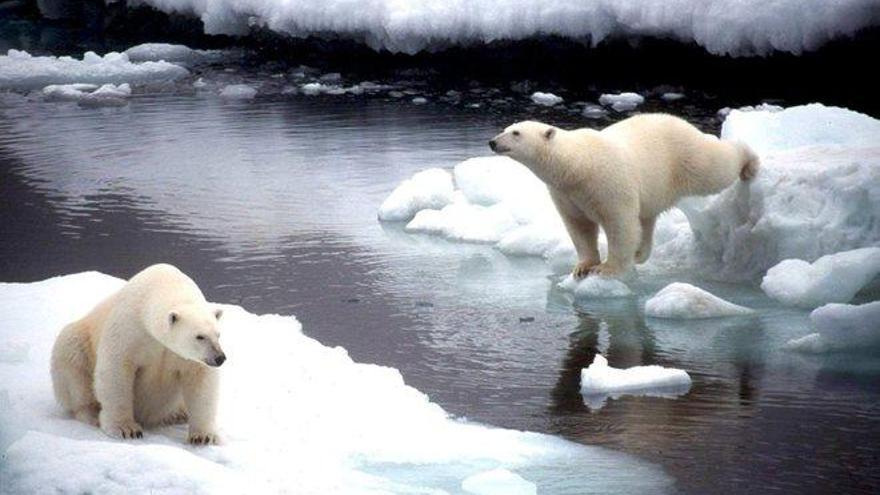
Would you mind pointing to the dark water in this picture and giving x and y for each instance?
(271, 204)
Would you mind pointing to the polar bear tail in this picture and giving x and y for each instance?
(751, 162)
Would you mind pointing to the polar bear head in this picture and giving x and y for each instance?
(192, 332)
(526, 142)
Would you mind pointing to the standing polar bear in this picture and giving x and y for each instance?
(622, 178)
(147, 355)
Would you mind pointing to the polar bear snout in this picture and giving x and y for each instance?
(496, 146)
(220, 359)
(492, 144)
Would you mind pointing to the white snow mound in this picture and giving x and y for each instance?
(600, 381)
(428, 189)
(831, 278)
(744, 27)
(286, 413)
(680, 300)
(21, 70)
(841, 328)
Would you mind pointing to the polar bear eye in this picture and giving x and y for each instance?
(200, 337)
(516, 133)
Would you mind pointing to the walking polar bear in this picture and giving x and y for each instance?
(145, 356)
(622, 178)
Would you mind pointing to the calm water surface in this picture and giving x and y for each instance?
(272, 203)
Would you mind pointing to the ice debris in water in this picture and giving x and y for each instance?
(622, 102)
(600, 381)
(595, 287)
(498, 481)
(685, 301)
(238, 92)
(546, 99)
(831, 278)
(592, 111)
(671, 96)
(171, 53)
(21, 70)
(89, 94)
(722, 27)
(842, 328)
(428, 189)
(293, 432)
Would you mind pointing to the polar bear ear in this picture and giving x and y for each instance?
(173, 317)
(218, 313)
(549, 133)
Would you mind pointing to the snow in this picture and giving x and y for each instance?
(622, 102)
(316, 421)
(428, 189)
(685, 301)
(498, 482)
(600, 381)
(842, 328)
(817, 193)
(21, 70)
(831, 278)
(238, 92)
(546, 99)
(594, 287)
(745, 27)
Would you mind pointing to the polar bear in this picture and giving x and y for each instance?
(622, 178)
(147, 355)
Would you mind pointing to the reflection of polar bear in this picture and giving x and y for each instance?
(623, 177)
(146, 355)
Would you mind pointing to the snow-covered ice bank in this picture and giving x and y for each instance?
(831, 278)
(744, 27)
(680, 300)
(428, 189)
(155, 52)
(600, 381)
(21, 70)
(297, 417)
(817, 193)
(842, 327)
(622, 102)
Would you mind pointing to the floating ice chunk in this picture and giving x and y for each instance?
(89, 95)
(600, 381)
(498, 481)
(465, 222)
(419, 100)
(546, 99)
(113, 91)
(331, 77)
(313, 89)
(672, 96)
(680, 300)
(170, 53)
(831, 278)
(592, 111)
(842, 327)
(622, 102)
(595, 287)
(238, 92)
(428, 189)
(21, 70)
(817, 193)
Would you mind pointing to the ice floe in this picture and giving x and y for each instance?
(831, 278)
(594, 287)
(428, 189)
(90, 95)
(156, 52)
(600, 381)
(546, 99)
(685, 301)
(622, 102)
(21, 70)
(842, 328)
(296, 415)
(238, 92)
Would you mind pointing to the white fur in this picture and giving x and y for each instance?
(141, 357)
(623, 177)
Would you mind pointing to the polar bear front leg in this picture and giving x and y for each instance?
(200, 392)
(114, 389)
(644, 251)
(623, 241)
(584, 234)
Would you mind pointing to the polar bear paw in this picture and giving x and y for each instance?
(605, 270)
(583, 268)
(197, 437)
(127, 429)
(178, 417)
